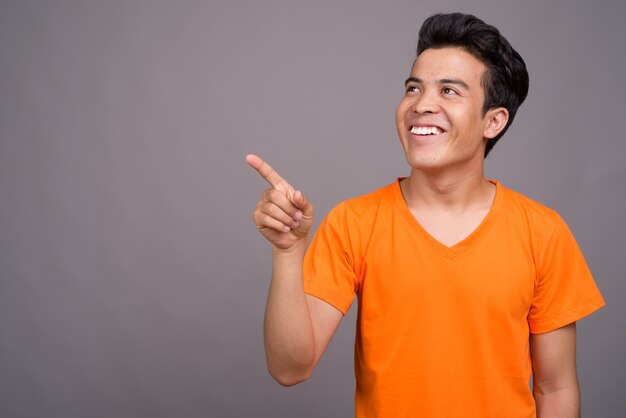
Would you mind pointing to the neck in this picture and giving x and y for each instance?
(452, 191)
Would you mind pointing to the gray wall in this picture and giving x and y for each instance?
(132, 279)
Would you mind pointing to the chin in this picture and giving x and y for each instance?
(426, 163)
(426, 157)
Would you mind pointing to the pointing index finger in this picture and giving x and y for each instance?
(265, 170)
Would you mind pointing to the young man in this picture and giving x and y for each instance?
(465, 288)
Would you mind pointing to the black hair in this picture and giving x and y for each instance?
(506, 79)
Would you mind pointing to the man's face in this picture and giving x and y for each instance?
(440, 120)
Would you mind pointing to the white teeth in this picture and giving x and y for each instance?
(425, 130)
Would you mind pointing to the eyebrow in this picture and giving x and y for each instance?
(441, 81)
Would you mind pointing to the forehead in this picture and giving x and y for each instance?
(448, 63)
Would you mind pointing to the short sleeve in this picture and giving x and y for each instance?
(328, 271)
(564, 290)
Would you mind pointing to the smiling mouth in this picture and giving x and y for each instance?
(425, 130)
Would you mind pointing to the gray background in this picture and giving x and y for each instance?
(132, 279)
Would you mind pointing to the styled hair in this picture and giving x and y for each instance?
(506, 79)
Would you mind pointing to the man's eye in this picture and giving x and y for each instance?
(448, 90)
(411, 89)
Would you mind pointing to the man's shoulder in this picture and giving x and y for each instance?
(361, 208)
(373, 199)
(519, 205)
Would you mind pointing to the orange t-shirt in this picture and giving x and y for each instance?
(444, 331)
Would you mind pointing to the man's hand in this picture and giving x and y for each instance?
(283, 215)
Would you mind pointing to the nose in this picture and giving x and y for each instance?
(426, 102)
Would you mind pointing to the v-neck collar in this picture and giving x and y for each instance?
(465, 243)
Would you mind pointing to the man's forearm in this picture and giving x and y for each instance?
(560, 403)
(288, 331)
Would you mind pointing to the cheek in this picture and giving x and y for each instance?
(403, 107)
(468, 122)
(400, 108)
(399, 117)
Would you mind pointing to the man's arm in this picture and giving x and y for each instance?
(555, 384)
(297, 327)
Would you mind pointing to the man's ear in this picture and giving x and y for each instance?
(496, 119)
